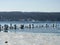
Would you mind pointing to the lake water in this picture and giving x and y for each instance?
(46, 35)
(37, 27)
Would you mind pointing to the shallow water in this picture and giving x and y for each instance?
(37, 26)
(31, 36)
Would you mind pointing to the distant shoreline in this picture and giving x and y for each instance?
(29, 16)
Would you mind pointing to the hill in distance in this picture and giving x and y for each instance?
(29, 16)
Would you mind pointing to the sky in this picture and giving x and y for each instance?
(30, 5)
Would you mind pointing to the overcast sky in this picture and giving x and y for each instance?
(30, 5)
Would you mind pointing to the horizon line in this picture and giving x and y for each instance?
(30, 11)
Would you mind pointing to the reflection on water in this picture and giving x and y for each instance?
(33, 30)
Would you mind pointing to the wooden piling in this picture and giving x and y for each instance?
(32, 25)
(47, 25)
(29, 25)
(5, 28)
(22, 27)
(11, 27)
(15, 27)
(0, 27)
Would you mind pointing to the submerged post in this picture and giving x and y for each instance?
(5, 28)
(11, 27)
(29, 25)
(53, 25)
(32, 25)
(22, 27)
(0, 27)
(15, 27)
(47, 25)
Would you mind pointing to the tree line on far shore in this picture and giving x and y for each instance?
(40, 16)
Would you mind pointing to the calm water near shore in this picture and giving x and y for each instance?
(48, 34)
(37, 27)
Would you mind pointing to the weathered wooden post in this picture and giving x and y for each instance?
(0, 27)
(15, 27)
(53, 25)
(47, 25)
(5, 28)
(11, 27)
(42, 26)
(32, 25)
(22, 27)
(29, 25)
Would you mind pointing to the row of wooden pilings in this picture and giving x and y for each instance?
(15, 26)
(6, 27)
